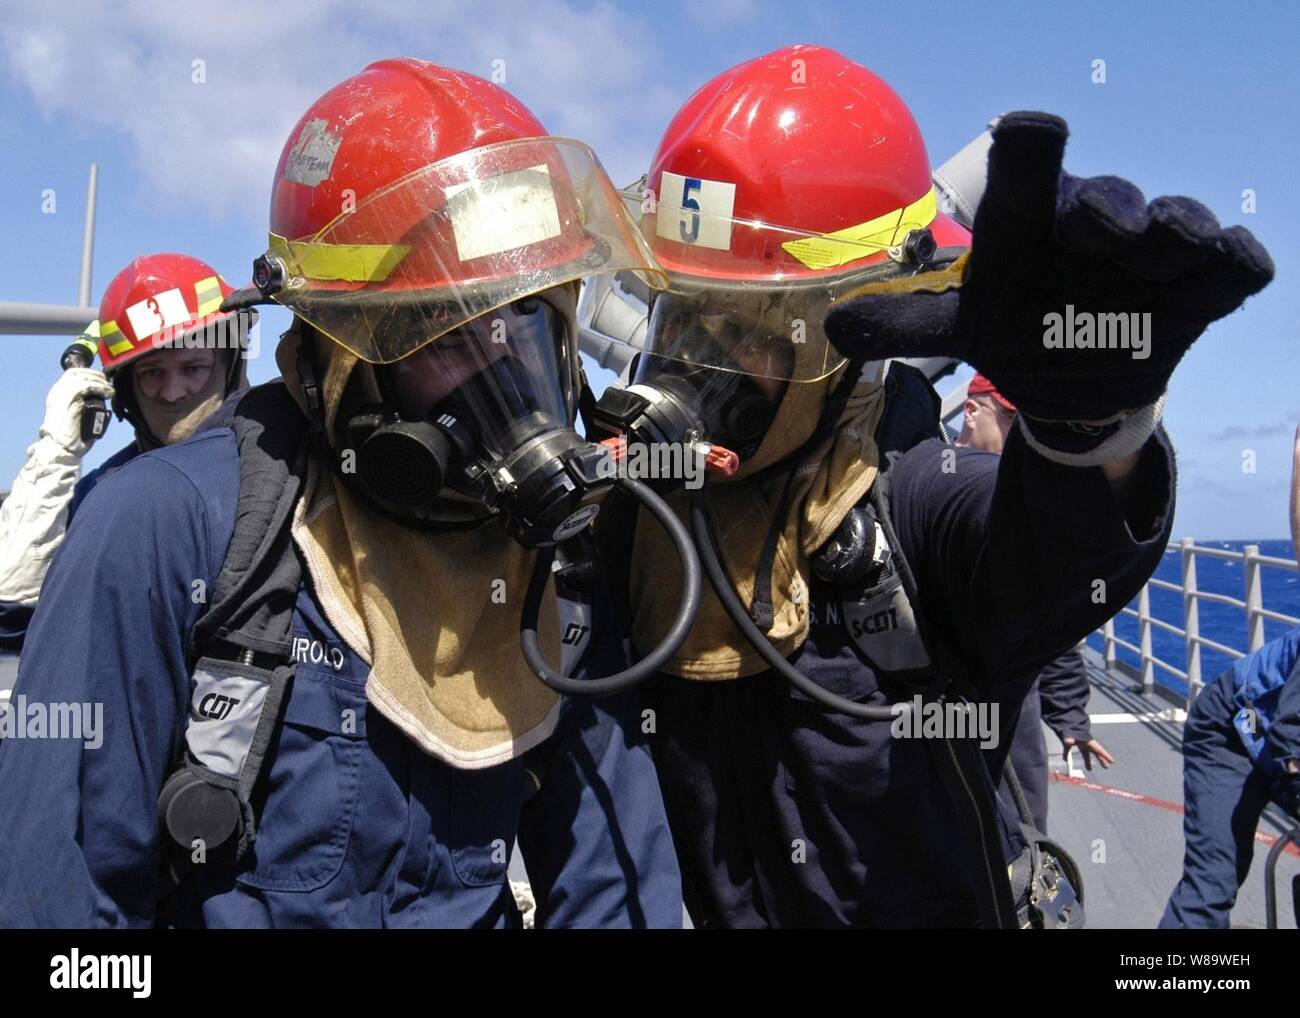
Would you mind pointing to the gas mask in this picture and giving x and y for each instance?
(725, 359)
(674, 400)
(478, 424)
(452, 385)
(718, 362)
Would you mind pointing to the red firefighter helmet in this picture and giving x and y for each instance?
(780, 186)
(412, 198)
(795, 164)
(155, 300)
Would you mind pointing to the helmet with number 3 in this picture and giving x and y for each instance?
(156, 300)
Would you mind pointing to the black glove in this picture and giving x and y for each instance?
(1043, 240)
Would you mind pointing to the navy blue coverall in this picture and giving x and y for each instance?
(785, 814)
(1240, 732)
(355, 828)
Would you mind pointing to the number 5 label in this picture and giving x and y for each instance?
(695, 211)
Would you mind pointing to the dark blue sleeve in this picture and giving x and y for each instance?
(1017, 558)
(79, 814)
(89, 481)
(1064, 689)
(15, 619)
(595, 837)
(1284, 734)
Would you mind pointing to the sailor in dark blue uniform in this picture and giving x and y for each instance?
(885, 565)
(1241, 751)
(290, 645)
(163, 391)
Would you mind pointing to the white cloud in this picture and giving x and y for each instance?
(127, 68)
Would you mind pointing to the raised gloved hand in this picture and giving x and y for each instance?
(64, 403)
(1046, 244)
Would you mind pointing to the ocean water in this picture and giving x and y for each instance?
(1220, 622)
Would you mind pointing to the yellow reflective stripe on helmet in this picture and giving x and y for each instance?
(107, 330)
(843, 246)
(351, 263)
(207, 295)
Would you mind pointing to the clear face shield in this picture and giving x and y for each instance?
(742, 316)
(454, 288)
(455, 241)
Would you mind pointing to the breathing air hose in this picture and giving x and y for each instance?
(721, 584)
(668, 646)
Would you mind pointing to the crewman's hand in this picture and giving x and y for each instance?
(64, 403)
(1088, 750)
(1046, 244)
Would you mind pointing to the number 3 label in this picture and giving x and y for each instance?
(153, 314)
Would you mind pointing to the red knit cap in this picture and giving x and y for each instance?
(979, 384)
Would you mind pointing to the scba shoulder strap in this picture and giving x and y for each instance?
(882, 610)
(864, 564)
(240, 648)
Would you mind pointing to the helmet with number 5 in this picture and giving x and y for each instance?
(800, 175)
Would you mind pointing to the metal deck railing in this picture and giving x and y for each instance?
(1252, 604)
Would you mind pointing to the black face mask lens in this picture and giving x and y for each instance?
(481, 417)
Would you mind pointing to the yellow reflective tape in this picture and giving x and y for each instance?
(107, 330)
(352, 263)
(207, 295)
(843, 246)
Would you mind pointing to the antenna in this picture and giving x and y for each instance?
(20, 318)
(88, 240)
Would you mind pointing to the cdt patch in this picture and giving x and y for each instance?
(312, 156)
(225, 705)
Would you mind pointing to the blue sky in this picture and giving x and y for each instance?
(1199, 99)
